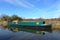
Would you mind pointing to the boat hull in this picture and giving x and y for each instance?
(31, 27)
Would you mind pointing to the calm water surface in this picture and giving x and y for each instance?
(8, 35)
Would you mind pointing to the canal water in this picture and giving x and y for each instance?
(6, 34)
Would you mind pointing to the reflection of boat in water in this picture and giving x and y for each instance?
(41, 31)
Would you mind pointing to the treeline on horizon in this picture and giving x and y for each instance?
(13, 17)
(16, 17)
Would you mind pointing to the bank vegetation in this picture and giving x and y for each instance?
(5, 19)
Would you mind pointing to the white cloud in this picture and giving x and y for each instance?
(22, 3)
(57, 13)
(56, 16)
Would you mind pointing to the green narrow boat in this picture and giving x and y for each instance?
(29, 25)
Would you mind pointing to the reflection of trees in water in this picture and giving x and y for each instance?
(3, 28)
(57, 29)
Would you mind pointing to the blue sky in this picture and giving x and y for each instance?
(31, 8)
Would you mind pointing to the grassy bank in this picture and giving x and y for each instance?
(55, 23)
(4, 24)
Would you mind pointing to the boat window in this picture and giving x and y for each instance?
(37, 23)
